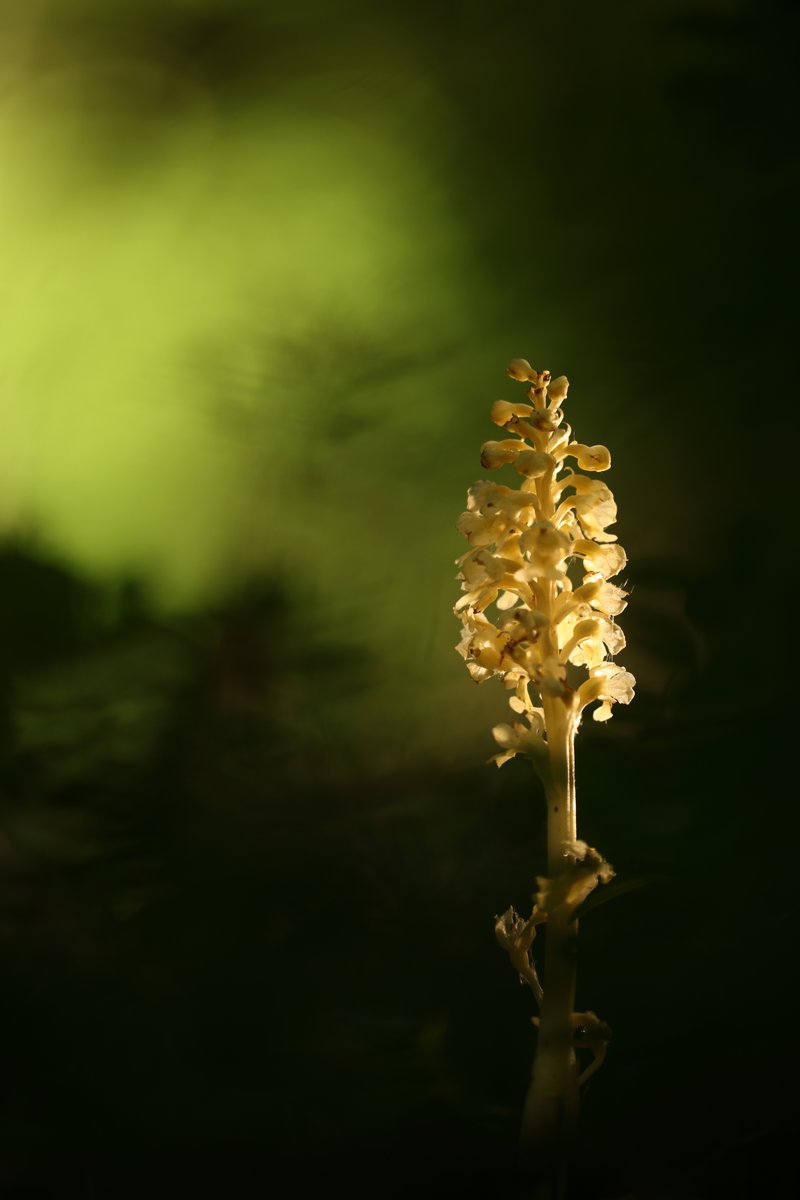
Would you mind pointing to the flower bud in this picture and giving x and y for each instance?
(533, 463)
(557, 391)
(545, 420)
(544, 543)
(591, 458)
(521, 370)
(504, 413)
(497, 454)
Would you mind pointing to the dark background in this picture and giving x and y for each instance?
(250, 851)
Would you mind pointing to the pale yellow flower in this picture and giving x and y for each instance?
(593, 504)
(607, 682)
(590, 641)
(524, 541)
(495, 499)
(595, 592)
(606, 560)
(542, 558)
(479, 530)
(507, 415)
(544, 546)
(484, 646)
(498, 454)
(521, 739)
(557, 391)
(590, 458)
(521, 369)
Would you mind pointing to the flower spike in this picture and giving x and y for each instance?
(539, 611)
(533, 540)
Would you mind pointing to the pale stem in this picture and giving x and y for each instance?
(551, 1108)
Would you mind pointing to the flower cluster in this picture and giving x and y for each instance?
(541, 555)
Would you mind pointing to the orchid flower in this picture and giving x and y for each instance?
(539, 612)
